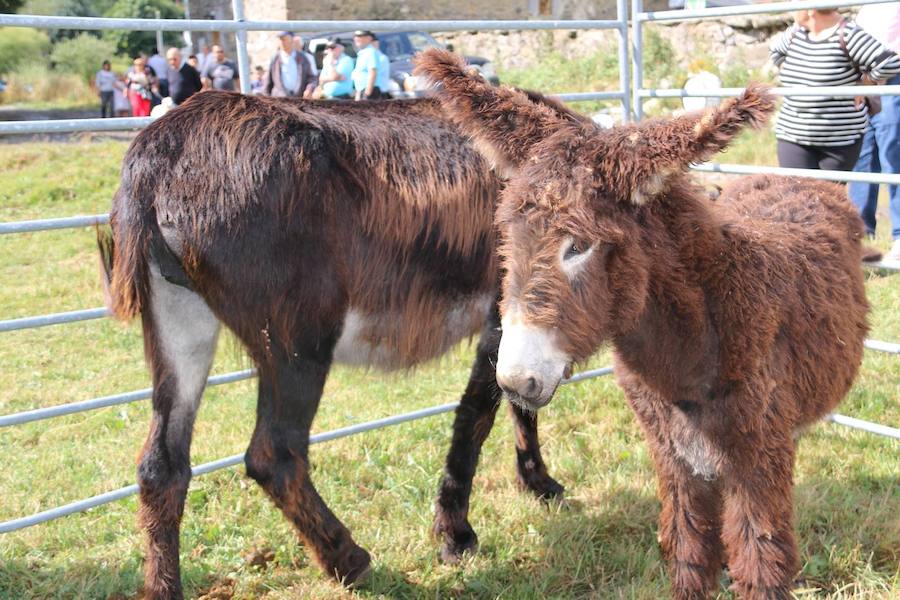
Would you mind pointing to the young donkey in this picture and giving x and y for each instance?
(735, 323)
(317, 232)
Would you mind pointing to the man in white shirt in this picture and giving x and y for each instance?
(160, 67)
(289, 72)
(880, 151)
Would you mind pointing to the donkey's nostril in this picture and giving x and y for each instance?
(532, 388)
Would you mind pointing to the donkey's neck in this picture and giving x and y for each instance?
(674, 345)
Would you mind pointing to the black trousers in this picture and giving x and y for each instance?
(106, 104)
(827, 158)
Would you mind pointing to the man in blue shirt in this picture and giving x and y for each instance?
(337, 71)
(370, 77)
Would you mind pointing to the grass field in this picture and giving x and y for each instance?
(600, 544)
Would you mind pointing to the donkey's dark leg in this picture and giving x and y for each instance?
(179, 341)
(278, 456)
(531, 470)
(473, 421)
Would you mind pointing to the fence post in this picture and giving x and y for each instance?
(237, 7)
(624, 71)
(637, 39)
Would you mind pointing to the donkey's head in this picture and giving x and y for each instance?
(569, 219)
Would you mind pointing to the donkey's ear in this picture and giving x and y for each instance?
(504, 123)
(656, 149)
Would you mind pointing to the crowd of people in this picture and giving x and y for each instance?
(292, 72)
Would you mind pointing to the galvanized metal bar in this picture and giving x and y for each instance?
(50, 224)
(835, 92)
(891, 432)
(587, 375)
(222, 463)
(637, 41)
(237, 8)
(624, 67)
(583, 96)
(88, 23)
(74, 125)
(811, 173)
(40, 414)
(753, 9)
(889, 347)
(53, 319)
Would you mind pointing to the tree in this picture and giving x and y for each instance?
(82, 55)
(62, 8)
(10, 6)
(134, 42)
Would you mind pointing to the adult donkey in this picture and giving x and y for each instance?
(358, 233)
(735, 323)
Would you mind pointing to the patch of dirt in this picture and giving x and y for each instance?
(221, 590)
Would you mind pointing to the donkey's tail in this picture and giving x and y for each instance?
(125, 256)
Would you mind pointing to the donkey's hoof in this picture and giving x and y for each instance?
(543, 487)
(354, 568)
(455, 547)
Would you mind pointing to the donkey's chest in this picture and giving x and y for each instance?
(403, 338)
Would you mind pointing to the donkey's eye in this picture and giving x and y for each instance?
(574, 249)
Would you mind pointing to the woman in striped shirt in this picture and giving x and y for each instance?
(822, 49)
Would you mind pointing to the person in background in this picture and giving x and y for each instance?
(194, 62)
(880, 151)
(221, 73)
(370, 84)
(384, 64)
(184, 80)
(289, 71)
(202, 57)
(298, 47)
(105, 81)
(140, 83)
(258, 84)
(822, 49)
(120, 101)
(337, 70)
(159, 66)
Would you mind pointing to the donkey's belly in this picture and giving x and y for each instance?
(403, 339)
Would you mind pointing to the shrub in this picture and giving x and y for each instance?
(19, 46)
(36, 83)
(82, 55)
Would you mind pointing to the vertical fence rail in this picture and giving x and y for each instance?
(237, 7)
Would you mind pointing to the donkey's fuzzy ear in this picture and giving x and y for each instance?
(656, 149)
(504, 123)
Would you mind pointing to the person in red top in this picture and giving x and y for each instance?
(140, 82)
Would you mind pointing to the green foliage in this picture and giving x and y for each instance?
(82, 55)
(10, 6)
(660, 61)
(133, 43)
(19, 46)
(63, 8)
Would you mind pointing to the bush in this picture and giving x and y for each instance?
(19, 46)
(133, 43)
(36, 83)
(82, 55)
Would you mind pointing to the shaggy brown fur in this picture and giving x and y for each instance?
(294, 223)
(735, 323)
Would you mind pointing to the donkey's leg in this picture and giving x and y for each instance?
(474, 420)
(278, 457)
(758, 521)
(530, 467)
(689, 528)
(179, 341)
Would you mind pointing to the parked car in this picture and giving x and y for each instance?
(400, 46)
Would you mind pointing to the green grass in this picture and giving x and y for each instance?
(601, 544)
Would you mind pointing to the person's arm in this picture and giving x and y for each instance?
(874, 61)
(779, 48)
(270, 82)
